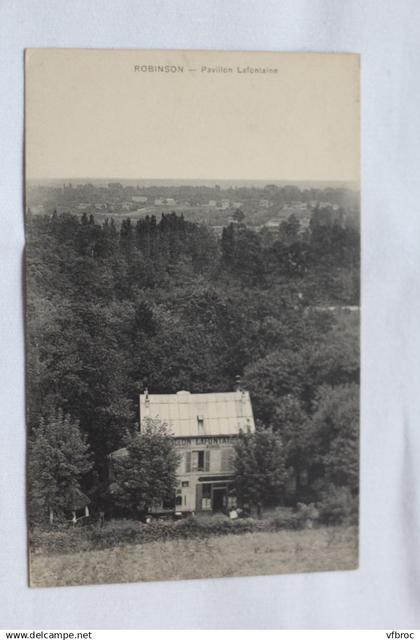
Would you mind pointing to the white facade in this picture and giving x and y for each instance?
(205, 427)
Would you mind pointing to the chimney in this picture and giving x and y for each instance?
(238, 383)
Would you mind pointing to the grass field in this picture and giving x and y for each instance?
(248, 554)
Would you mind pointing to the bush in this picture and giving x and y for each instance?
(123, 532)
(338, 506)
(307, 515)
(114, 533)
(286, 519)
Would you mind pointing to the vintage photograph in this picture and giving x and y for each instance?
(193, 314)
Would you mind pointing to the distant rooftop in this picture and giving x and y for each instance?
(200, 414)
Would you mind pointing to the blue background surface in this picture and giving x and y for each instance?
(385, 591)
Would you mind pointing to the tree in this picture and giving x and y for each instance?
(295, 429)
(280, 373)
(170, 303)
(259, 465)
(58, 459)
(227, 244)
(238, 215)
(248, 258)
(144, 473)
(289, 230)
(335, 429)
(335, 359)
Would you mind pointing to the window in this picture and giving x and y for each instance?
(206, 490)
(200, 460)
(185, 483)
(206, 497)
(178, 500)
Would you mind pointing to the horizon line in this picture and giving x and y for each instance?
(191, 180)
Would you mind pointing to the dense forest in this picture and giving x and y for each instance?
(169, 305)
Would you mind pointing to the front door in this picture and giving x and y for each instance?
(219, 500)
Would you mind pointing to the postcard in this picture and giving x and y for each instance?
(193, 309)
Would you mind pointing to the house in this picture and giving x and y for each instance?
(273, 224)
(165, 201)
(205, 427)
(223, 205)
(217, 230)
(297, 205)
(328, 205)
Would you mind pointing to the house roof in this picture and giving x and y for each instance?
(200, 414)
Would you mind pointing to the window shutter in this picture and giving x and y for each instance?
(207, 460)
(188, 461)
(194, 460)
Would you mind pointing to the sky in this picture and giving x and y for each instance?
(109, 114)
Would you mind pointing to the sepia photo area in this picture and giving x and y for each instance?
(193, 312)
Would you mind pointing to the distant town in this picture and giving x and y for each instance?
(263, 207)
